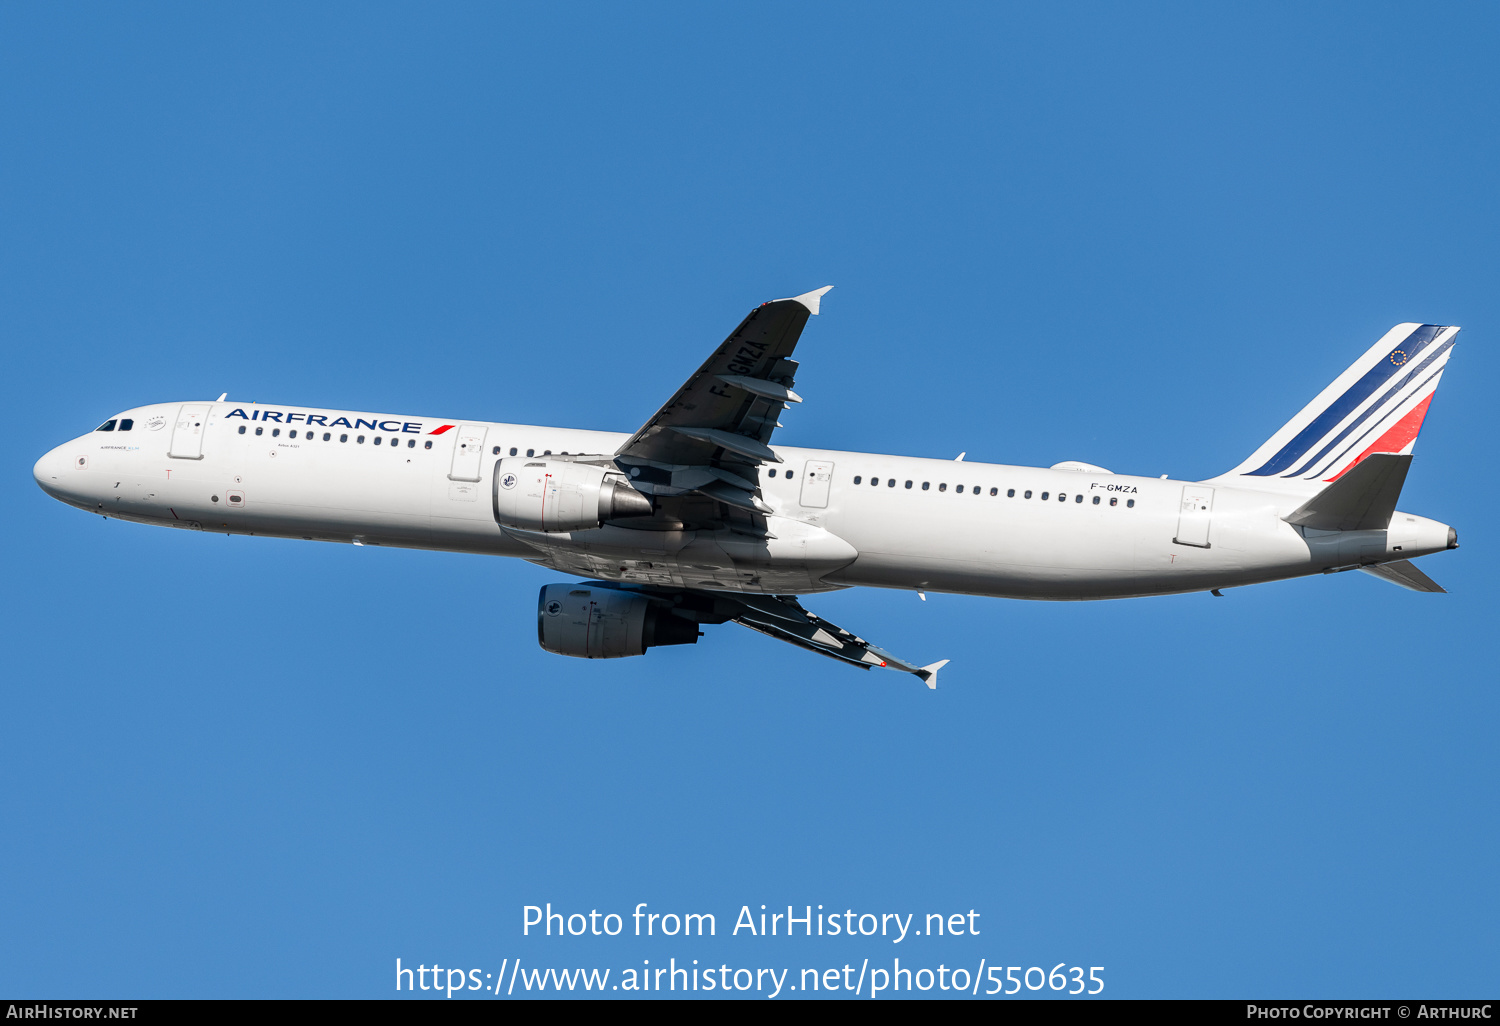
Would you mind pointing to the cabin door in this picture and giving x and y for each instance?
(468, 451)
(816, 477)
(187, 433)
(1193, 516)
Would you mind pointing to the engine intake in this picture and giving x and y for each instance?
(559, 495)
(604, 623)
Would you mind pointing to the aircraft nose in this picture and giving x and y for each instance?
(49, 471)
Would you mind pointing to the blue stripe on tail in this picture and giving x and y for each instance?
(1374, 407)
(1352, 397)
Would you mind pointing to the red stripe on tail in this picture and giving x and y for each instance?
(1401, 434)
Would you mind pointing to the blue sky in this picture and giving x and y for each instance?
(1140, 236)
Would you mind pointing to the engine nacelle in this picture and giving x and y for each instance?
(558, 495)
(604, 623)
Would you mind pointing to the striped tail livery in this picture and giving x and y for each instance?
(1376, 406)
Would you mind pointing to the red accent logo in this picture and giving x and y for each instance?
(445, 427)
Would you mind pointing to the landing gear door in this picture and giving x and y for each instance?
(816, 477)
(468, 452)
(187, 433)
(1194, 515)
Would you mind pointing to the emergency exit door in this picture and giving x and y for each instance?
(816, 477)
(1194, 515)
(187, 433)
(468, 450)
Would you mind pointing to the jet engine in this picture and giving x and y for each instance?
(605, 623)
(559, 495)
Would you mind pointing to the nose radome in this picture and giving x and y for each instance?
(44, 473)
(49, 471)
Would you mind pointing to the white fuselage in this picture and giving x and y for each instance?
(957, 527)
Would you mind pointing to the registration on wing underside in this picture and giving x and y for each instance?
(722, 417)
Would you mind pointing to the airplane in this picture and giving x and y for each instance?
(697, 519)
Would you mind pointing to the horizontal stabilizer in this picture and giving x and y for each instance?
(1404, 574)
(1361, 500)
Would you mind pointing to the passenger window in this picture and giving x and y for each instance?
(943, 487)
(1045, 495)
(994, 491)
(858, 479)
(529, 452)
(1010, 493)
(1061, 497)
(108, 425)
(343, 438)
(376, 440)
(1078, 498)
(1113, 501)
(908, 484)
(1096, 500)
(1026, 494)
(788, 475)
(546, 452)
(326, 436)
(292, 433)
(242, 429)
(959, 489)
(496, 451)
(411, 443)
(427, 444)
(126, 424)
(891, 483)
(360, 439)
(513, 450)
(771, 472)
(260, 430)
(875, 481)
(276, 432)
(1130, 503)
(926, 485)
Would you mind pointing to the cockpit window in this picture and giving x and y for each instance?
(108, 425)
(126, 424)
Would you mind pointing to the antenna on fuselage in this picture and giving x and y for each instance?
(222, 398)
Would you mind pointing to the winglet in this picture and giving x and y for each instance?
(809, 299)
(928, 673)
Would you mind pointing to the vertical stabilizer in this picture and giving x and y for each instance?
(1376, 406)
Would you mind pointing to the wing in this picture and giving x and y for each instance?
(782, 617)
(713, 434)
